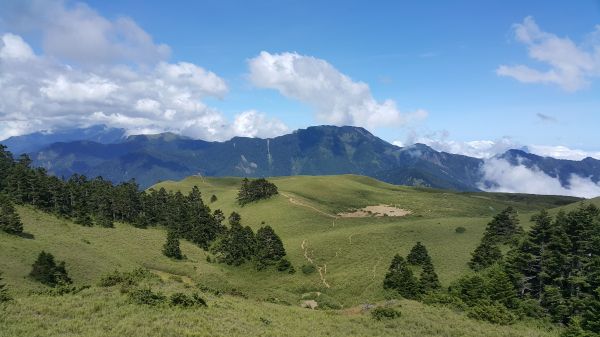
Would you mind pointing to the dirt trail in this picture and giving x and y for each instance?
(300, 203)
(321, 269)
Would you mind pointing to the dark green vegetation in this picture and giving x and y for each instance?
(49, 272)
(9, 219)
(348, 258)
(171, 247)
(255, 190)
(4, 296)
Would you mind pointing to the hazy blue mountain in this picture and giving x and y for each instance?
(36, 141)
(317, 150)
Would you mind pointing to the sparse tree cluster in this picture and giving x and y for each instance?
(48, 271)
(400, 276)
(255, 190)
(239, 244)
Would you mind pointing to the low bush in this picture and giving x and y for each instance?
(491, 312)
(308, 269)
(460, 230)
(146, 296)
(383, 313)
(185, 301)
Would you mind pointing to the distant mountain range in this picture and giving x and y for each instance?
(318, 150)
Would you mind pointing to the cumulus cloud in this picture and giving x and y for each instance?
(252, 123)
(77, 33)
(500, 176)
(131, 85)
(567, 64)
(336, 98)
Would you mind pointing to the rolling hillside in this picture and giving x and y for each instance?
(352, 253)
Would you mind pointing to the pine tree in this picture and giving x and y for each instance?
(48, 272)
(10, 222)
(171, 247)
(269, 248)
(400, 278)
(499, 287)
(4, 296)
(485, 255)
(418, 255)
(428, 280)
(504, 227)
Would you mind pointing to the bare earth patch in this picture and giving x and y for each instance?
(377, 211)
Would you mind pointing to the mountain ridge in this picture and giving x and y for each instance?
(315, 150)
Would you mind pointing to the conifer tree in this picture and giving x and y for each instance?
(428, 280)
(213, 198)
(10, 222)
(485, 255)
(504, 227)
(171, 247)
(499, 287)
(269, 248)
(400, 278)
(418, 255)
(48, 272)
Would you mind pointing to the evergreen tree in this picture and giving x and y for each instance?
(4, 296)
(213, 198)
(171, 247)
(504, 227)
(418, 255)
(269, 248)
(485, 255)
(237, 245)
(400, 278)
(10, 222)
(428, 280)
(48, 272)
(255, 190)
(499, 286)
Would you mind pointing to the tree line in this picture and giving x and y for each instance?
(98, 202)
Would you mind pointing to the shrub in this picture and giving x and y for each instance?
(126, 278)
(382, 313)
(4, 296)
(460, 230)
(146, 296)
(444, 299)
(491, 312)
(285, 265)
(48, 272)
(308, 269)
(213, 198)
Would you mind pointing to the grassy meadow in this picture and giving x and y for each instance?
(353, 255)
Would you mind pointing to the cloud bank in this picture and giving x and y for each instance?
(567, 64)
(500, 176)
(336, 98)
(94, 70)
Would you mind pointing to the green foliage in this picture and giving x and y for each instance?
(384, 313)
(308, 269)
(504, 227)
(213, 198)
(460, 230)
(492, 312)
(485, 255)
(429, 280)
(4, 296)
(146, 296)
(128, 278)
(171, 247)
(185, 301)
(237, 244)
(48, 272)
(418, 255)
(269, 248)
(285, 265)
(401, 279)
(10, 222)
(255, 190)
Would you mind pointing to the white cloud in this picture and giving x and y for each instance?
(336, 98)
(568, 65)
(13, 47)
(120, 77)
(77, 33)
(500, 176)
(562, 152)
(252, 123)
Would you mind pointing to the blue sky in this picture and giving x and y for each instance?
(433, 56)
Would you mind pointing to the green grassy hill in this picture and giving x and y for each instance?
(352, 254)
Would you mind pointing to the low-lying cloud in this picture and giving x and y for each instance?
(500, 176)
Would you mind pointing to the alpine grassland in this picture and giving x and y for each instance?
(123, 284)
